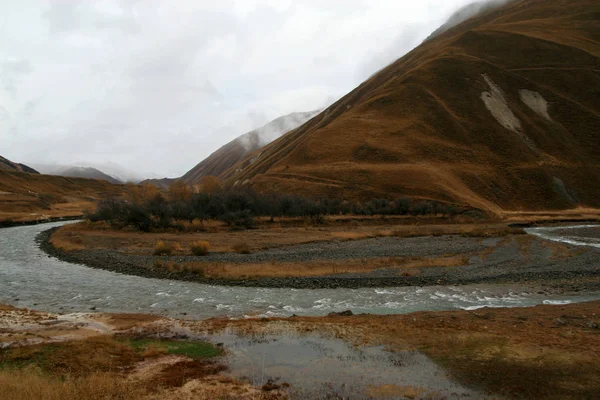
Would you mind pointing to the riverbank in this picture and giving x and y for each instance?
(548, 352)
(42, 220)
(380, 261)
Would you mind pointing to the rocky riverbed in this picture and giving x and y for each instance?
(518, 259)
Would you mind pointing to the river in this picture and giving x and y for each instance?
(30, 278)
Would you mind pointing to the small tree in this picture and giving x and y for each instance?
(179, 191)
(210, 184)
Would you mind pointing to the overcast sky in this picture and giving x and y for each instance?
(157, 85)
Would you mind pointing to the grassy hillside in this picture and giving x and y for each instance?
(7, 165)
(499, 112)
(25, 197)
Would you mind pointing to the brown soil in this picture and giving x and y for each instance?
(176, 375)
(123, 322)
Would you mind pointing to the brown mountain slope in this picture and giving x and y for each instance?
(231, 153)
(26, 197)
(7, 165)
(499, 112)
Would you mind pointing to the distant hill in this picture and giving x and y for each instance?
(163, 183)
(26, 196)
(7, 165)
(498, 112)
(234, 151)
(116, 171)
(88, 173)
(76, 172)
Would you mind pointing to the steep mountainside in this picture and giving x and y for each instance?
(234, 151)
(500, 112)
(7, 165)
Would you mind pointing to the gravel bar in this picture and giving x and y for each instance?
(505, 264)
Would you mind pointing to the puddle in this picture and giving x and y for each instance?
(317, 367)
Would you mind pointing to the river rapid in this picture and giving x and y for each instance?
(30, 278)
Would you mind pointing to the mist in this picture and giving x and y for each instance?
(156, 86)
(466, 12)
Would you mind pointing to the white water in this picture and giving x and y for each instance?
(550, 233)
(29, 278)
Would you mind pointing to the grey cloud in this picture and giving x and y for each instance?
(404, 42)
(69, 16)
(466, 12)
(12, 71)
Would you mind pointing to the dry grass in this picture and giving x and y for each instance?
(30, 197)
(114, 367)
(576, 214)
(163, 249)
(467, 230)
(68, 241)
(188, 379)
(407, 266)
(241, 247)
(32, 385)
(200, 248)
(76, 358)
(221, 239)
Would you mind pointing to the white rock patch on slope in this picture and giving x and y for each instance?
(496, 103)
(536, 102)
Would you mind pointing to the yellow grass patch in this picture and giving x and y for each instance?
(163, 249)
(406, 266)
(32, 385)
(200, 248)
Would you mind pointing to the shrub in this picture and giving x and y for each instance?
(7, 223)
(238, 208)
(138, 217)
(194, 268)
(163, 249)
(200, 248)
(238, 219)
(242, 248)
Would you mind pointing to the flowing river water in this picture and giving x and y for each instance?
(30, 278)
